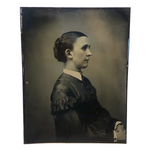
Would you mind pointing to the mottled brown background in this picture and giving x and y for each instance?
(107, 30)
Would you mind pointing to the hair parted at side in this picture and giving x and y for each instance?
(66, 41)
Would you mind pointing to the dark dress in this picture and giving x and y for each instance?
(78, 115)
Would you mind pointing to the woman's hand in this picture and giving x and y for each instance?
(121, 133)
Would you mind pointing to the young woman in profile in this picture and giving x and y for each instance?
(77, 113)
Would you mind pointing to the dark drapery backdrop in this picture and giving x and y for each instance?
(108, 31)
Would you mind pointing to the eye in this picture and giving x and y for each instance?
(84, 47)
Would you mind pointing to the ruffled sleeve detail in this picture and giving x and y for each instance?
(60, 101)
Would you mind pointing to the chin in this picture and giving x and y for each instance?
(83, 67)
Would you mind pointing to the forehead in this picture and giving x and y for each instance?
(82, 41)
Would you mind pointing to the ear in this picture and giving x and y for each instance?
(68, 53)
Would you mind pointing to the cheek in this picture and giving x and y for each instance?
(80, 55)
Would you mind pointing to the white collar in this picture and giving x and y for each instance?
(73, 73)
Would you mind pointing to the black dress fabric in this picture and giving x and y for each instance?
(79, 118)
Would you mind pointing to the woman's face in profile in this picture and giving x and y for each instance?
(81, 52)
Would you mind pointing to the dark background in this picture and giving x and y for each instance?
(108, 31)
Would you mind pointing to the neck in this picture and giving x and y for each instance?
(71, 66)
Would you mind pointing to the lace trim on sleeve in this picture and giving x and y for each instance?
(60, 103)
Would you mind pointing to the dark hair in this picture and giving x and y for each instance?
(66, 41)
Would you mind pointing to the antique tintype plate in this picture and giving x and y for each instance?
(108, 32)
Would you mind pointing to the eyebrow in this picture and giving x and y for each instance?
(85, 46)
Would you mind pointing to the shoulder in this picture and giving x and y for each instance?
(62, 97)
(61, 85)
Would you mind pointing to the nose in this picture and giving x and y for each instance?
(89, 52)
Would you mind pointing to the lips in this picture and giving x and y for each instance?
(86, 59)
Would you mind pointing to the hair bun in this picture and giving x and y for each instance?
(57, 47)
(58, 42)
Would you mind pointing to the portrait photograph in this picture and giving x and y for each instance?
(75, 74)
